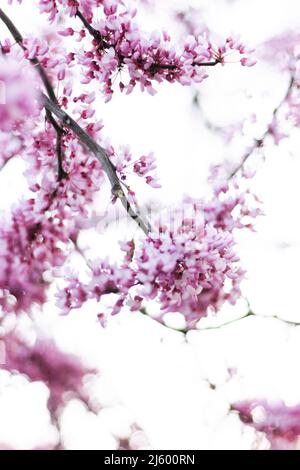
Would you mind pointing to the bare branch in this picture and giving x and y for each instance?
(59, 151)
(249, 313)
(258, 143)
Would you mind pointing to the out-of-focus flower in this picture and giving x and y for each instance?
(280, 423)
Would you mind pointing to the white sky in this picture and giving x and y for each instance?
(158, 378)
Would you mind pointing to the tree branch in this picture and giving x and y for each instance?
(52, 107)
(101, 155)
(93, 32)
(59, 152)
(207, 64)
(48, 86)
(249, 313)
(258, 143)
(19, 39)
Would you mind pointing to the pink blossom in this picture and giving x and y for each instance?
(118, 43)
(279, 422)
(17, 94)
(45, 362)
(280, 50)
(275, 131)
(188, 263)
(248, 61)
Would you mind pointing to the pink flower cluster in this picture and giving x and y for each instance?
(282, 51)
(117, 43)
(188, 263)
(293, 99)
(51, 6)
(186, 269)
(37, 236)
(46, 224)
(279, 422)
(18, 94)
(149, 58)
(11, 146)
(45, 362)
(293, 112)
(105, 279)
(143, 167)
(29, 246)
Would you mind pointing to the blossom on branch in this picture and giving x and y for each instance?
(117, 43)
(188, 263)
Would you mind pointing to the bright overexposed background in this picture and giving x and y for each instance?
(176, 388)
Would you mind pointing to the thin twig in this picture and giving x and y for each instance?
(3, 165)
(208, 124)
(249, 313)
(59, 151)
(258, 143)
(93, 32)
(207, 64)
